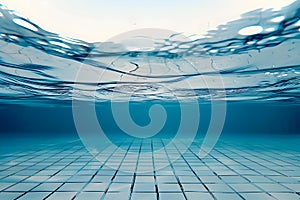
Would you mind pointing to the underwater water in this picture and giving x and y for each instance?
(152, 113)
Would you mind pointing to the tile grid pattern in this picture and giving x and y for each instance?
(230, 171)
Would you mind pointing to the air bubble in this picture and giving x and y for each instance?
(251, 42)
(41, 42)
(13, 37)
(273, 37)
(278, 19)
(250, 30)
(271, 29)
(25, 24)
(213, 51)
(60, 51)
(235, 46)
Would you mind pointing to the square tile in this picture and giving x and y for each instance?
(119, 187)
(71, 187)
(96, 187)
(229, 196)
(285, 196)
(143, 196)
(144, 187)
(47, 187)
(22, 187)
(219, 188)
(89, 196)
(194, 187)
(168, 187)
(173, 196)
(116, 195)
(198, 195)
(257, 196)
(61, 196)
(34, 195)
(245, 188)
(9, 195)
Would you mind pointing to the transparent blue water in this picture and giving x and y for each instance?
(256, 57)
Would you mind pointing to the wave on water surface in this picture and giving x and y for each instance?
(257, 58)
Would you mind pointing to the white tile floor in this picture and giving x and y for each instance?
(229, 172)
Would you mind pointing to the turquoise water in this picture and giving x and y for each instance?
(152, 113)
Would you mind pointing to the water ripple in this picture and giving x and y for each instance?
(257, 57)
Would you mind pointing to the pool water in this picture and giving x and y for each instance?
(151, 113)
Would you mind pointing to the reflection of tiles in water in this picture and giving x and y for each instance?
(229, 172)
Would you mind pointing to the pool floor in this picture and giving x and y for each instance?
(231, 171)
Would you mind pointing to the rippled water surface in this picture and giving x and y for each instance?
(255, 57)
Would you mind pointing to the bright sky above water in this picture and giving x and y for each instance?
(99, 20)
